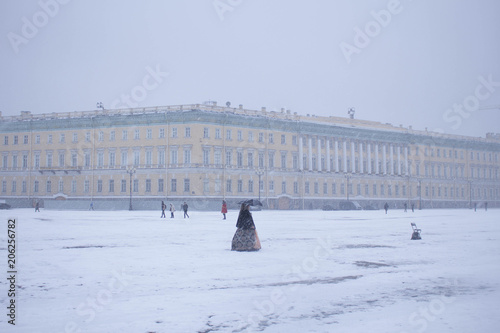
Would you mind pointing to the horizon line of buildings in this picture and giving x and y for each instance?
(204, 153)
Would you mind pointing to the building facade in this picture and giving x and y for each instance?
(203, 154)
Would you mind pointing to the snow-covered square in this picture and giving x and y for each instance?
(317, 271)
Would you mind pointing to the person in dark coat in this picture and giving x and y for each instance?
(185, 209)
(246, 237)
(386, 207)
(224, 209)
(163, 207)
(406, 207)
(37, 206)
(486, 206)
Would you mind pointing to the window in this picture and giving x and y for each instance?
(135, 185)
(112, 159)
(217, 133)
(86, 186)
(25, 140)
(137, 157)
(99, 185)
(149, 157)
(271, 138)
(228, 157)
(206, 157)
(161, 157)
(124, 160)
(229, 186)
(240, 136)
(334, 188)
(61, 160)
(187, 156)
(240, 185)
(174, 132)
(250, 160)
(294, 140)
(36, 186)
(100, 136)
(111, 185)
(73, 186)
(162, 133)
(124, 135)
(100, 159)
(136, 134)
(228, 134)
(49, 138)
(75, 137)
(6, 140)
(148, 185)
(250, 186)
(61, 186)
(261, 137)
(173, 185)
(37, 139)
(49, 186)
(16, 139)
(112, 136)
(149, 134)
(124, 185)
(205, 133)
(250, 136)
(239, 159)
(283, 139)
(49, 160)
(187, 133)
(160, 185)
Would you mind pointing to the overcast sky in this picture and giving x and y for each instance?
(425, 63)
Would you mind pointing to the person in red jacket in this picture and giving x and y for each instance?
(224, 209)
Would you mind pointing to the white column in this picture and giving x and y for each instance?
(310, 155)
(377, 169)
(353, 158)
(399, 160)
(384, 159)
(319, 153)
(406, 162)
(301, 153)
(345, 156)
(391, 159)
(336, 156)
(328, 166)
(361, 158)
(369, 157)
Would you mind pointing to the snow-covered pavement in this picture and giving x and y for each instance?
(358, 271)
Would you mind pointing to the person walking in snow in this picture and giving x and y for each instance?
(386, 207)
(406, 207)
(246, 237)
(172, 210)
(37, 206)
(185, 209)
(224, 209)
(163, 207)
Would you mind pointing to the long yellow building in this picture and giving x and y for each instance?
(205, 153)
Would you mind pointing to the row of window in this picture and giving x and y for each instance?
(431, 170)
(445, 153)
(391, 190)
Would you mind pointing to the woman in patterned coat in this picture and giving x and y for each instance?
(245, 238)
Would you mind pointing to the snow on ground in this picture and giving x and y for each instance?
(318, 271)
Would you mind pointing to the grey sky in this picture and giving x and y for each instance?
(408, 68)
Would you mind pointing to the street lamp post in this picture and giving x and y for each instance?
(130, 171)
(347, 176)
(259, 173)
